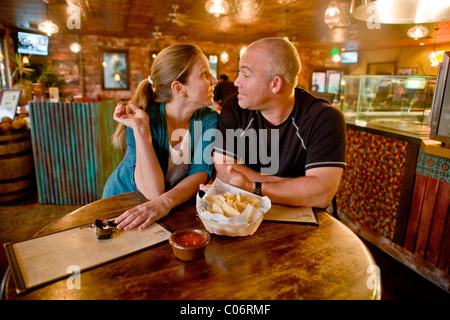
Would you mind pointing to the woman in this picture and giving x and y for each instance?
(167, 157)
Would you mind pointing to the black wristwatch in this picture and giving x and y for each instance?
(257, 190)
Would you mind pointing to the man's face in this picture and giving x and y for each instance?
(251, 82)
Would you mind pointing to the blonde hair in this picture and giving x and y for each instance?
(283, 59)
(173, 63)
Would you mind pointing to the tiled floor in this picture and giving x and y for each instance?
(21, 220)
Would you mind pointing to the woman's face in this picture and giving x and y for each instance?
(200, 83)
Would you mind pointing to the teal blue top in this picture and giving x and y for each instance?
(201, 146)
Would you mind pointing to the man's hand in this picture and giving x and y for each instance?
(238, 179)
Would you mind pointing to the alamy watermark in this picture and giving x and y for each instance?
(248, 144)
(74, 19)
(74, 281)
(373, 22)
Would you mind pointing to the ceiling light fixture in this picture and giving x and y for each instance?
(217, 7)
(417, 32)
(332, 15)
(48, 27)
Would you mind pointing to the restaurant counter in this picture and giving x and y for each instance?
(395, 194)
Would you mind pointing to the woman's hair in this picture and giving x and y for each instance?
(172, 63)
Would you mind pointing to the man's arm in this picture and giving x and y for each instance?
(316, 189)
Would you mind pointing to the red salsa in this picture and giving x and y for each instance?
(190, 239)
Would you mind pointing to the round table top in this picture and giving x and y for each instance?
(279, 261)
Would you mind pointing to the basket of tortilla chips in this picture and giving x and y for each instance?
(226, 210)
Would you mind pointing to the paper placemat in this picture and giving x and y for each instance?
(45, 259)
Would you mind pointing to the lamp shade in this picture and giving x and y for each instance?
(401, 11)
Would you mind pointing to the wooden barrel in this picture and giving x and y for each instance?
(17, 178)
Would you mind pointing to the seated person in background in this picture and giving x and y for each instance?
(164, 135)
(279, 141)
(223, 90)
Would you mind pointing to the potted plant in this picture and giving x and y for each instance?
(22, 83)
(49, 77)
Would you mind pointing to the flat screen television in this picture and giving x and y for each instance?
(440, 108)
(32, 43)
(349, 57)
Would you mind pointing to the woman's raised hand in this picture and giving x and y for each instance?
(136, 120)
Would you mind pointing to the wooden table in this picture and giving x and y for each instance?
(279, 261)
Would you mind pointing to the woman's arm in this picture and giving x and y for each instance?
(148, 175)
(145, 214)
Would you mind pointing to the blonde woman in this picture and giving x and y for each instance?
(167, 152)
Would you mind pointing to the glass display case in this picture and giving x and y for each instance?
(396, 103)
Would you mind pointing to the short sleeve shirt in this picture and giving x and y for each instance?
(312, 136)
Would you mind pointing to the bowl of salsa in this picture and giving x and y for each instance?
(189, 243)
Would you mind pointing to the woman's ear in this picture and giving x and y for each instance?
(178, 88)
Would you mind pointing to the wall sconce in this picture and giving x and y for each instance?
(224, 57)
(336, 56)
(25, 60)
(217, 7)
(75, 47)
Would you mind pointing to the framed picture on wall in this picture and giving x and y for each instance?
(381, 68)
(115, 71)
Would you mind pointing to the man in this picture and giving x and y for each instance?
(223, 90)
(279, 141)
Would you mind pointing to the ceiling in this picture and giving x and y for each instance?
(301, 20)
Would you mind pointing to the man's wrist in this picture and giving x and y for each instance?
(257, 188)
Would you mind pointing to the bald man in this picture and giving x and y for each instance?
(277, 140)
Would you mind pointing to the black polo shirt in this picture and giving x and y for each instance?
(312, 136)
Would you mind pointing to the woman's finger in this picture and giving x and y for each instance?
(147, 223)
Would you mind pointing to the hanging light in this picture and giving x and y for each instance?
(224, 57)
(436, 58)
(48, 27)
(25, 60)
(332, 15)
(117, 77)
(75, 47)
(417, 32)
(217, 7)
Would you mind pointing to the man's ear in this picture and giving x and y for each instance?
(276, 84)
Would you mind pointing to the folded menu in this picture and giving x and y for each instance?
(291, 214)
(44, 259)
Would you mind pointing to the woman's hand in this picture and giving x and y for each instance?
(136, 120)
(143, 215)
